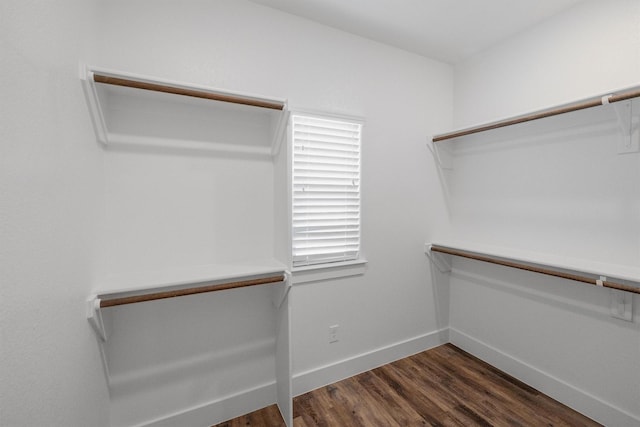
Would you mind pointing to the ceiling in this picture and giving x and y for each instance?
(446, 30)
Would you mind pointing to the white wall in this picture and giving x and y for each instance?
(591, 49)
(555, 188)
(61, 193)
(391, 310)
(50, 167)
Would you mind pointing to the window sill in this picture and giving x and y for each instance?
(321, 272)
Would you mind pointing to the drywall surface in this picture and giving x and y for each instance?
(168, 207)
(563, 59)
(172, 356)
(558, 187)
(167, 210)
(50, 371)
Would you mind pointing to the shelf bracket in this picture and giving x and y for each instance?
(629, 127)
(442, 156)
(95, 109)
(94, 316)
(281, 296)
(441, 261)
(98, 86)
(280, 134)
(621, 305)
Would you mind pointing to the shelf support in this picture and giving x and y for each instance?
(629, 127)
(442, 155)
(281, 295)
(280, 134)
(440, 260)
(94, 316)
(91, 96)
(621, 305)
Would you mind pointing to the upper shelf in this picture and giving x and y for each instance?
(576, 106)
(144, 111)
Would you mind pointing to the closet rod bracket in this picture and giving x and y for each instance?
(621, 305)
(440, 260)
(441, 155)
(283, 293)
(94, 316)
(629, 124)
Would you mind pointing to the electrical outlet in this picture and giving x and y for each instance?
(333, 333)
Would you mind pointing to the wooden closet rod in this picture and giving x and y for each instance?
(548, 272)
(189, 291)
(594, 102)
(118, 81)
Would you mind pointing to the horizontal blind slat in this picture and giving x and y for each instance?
(326, 190)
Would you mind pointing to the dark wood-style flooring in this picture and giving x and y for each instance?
(444, 386)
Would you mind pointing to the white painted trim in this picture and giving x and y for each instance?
(319, 272)
(266, 394)
(326, 115)
(304, 382)
(220, 410)
(580, 400)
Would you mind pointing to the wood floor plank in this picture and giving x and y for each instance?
(324, 412)
(436, 387)
(444, 387)
(300, 422)
(272, 416)
(475, 399)
(516, 400)
(265, 417)
(448, 394)
(364, 411)
(425, 401)
(387, 398)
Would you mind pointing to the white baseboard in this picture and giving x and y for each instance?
(304, 382)
(220, 410)
(265, 395)
(559, 390)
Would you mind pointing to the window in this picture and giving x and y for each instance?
(326, 190)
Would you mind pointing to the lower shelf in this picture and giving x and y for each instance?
(149, 286)
(572, 270)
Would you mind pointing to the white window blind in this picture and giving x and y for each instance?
(326, 190)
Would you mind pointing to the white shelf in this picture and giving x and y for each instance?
(145, 282)
(617, 271)
(129, 109)
(605, 100)
(161, 284)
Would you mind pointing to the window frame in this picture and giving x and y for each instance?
(336, 269)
